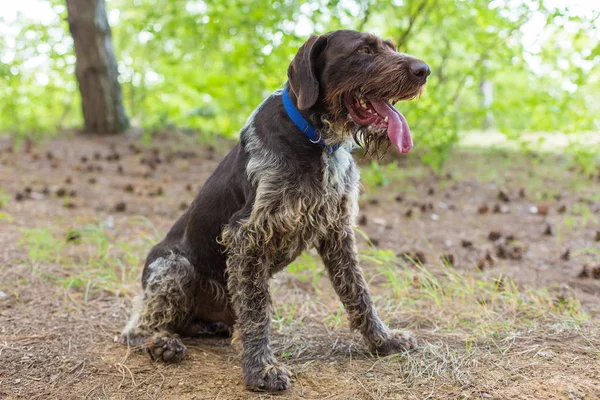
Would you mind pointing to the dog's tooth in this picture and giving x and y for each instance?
(386, 119)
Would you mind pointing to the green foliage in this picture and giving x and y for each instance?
(377, 175)
(38, 91)
(207, 64)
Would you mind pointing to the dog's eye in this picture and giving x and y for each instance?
(365, 50)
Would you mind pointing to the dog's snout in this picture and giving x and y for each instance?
(419, 69)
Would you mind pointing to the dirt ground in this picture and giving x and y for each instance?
(77, 216)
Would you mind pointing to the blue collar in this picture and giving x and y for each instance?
(305, 127)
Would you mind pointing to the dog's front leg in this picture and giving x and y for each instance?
(249, 288)
(340, 257)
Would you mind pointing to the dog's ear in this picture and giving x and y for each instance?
(301, 72)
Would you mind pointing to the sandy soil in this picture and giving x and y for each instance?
(62, 301)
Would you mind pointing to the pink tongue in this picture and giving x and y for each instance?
(398, 130)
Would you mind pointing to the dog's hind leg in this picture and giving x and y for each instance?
(213, 313)
(164, 308)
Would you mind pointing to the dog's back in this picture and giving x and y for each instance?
(194, 235)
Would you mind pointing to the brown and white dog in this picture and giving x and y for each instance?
(290, 184)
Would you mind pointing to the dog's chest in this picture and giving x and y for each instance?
(338, 195)
(337, 168)
(297, 206)
(328, 207)
(339, 174)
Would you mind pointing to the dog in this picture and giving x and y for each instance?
(290, 184)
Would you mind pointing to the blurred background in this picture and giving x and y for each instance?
(484, 240)
(520, 73)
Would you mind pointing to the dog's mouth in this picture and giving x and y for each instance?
(381, 115)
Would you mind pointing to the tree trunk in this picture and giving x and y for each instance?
(96, 67)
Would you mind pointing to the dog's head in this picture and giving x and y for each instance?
(351, 81)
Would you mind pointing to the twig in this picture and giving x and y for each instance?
(159, 386)
(77, 366)
(412, 19)
(482, 57)
(91, 390)
(365, 389)
(19, 338)
(365, 17)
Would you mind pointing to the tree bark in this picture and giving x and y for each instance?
(96, 67)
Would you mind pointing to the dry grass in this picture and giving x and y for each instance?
(467, 322)
(491, 333)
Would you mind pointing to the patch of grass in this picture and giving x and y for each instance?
(377, 255)
(307, 267)
(579, 217)
(6, 217)
(443, 299)
(149, 233)
(111, 265)
(90, 258)
(537, 173)
(284, 314)
(335, 320)
(440, 298)
(477, 322)
(595, 253)
(4, 198)
(41, 245)
(435, 360)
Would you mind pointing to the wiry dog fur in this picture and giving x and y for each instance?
(273, 196)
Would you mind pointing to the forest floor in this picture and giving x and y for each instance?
(493, 264)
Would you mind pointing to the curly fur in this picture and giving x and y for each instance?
(274, 195)
(166, 299)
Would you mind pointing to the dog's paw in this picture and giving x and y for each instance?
(166, 347)
(395, 342)
(271, 378)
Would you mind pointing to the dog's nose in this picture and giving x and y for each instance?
(419, 69)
